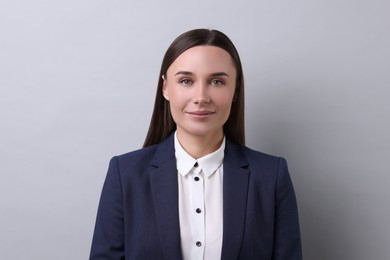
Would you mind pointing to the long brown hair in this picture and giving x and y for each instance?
(162, 124)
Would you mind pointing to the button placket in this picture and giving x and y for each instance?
(198, 208)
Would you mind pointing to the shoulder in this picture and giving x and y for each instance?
(154, 155)
(267, 171)
(136, 158)
(132, 165)
(254, 157)
(261, 165)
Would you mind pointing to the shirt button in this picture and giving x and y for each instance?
(198, 210)
(196, 178)
(198, 244)
(196, 164)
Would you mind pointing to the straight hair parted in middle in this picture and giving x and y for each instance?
(162, 124)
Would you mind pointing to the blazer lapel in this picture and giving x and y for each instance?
(164, 186)
(235, 191)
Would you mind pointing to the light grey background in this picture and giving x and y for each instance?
(78, 81)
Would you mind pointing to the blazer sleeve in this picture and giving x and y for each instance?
(108, 237)
(287, 244)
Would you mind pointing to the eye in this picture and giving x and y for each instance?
(185, 82)
(216, 82)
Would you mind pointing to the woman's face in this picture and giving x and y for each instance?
(200, 86)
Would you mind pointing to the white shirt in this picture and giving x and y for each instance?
(200, 203)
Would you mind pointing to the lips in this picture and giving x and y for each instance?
(201, 113)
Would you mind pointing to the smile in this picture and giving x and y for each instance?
(201, 113)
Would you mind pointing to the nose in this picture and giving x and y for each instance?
(201, 94)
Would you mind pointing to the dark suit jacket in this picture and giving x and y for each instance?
(138, 215)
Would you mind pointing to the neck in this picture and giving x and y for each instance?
(199, 146)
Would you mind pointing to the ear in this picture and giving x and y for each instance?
(165, 89)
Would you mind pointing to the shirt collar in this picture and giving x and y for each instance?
(208, 163)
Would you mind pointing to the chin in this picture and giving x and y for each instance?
(201, 131)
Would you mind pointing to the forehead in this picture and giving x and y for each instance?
(203, 59)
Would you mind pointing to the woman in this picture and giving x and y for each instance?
(195, 191)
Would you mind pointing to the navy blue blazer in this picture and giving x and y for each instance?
(138, 215)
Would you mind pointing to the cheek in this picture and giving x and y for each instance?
(177, 105)
(225, 101)
(225, 107)
(174, 100)
(178, 99)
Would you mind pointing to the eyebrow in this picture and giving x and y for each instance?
(215, 74)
